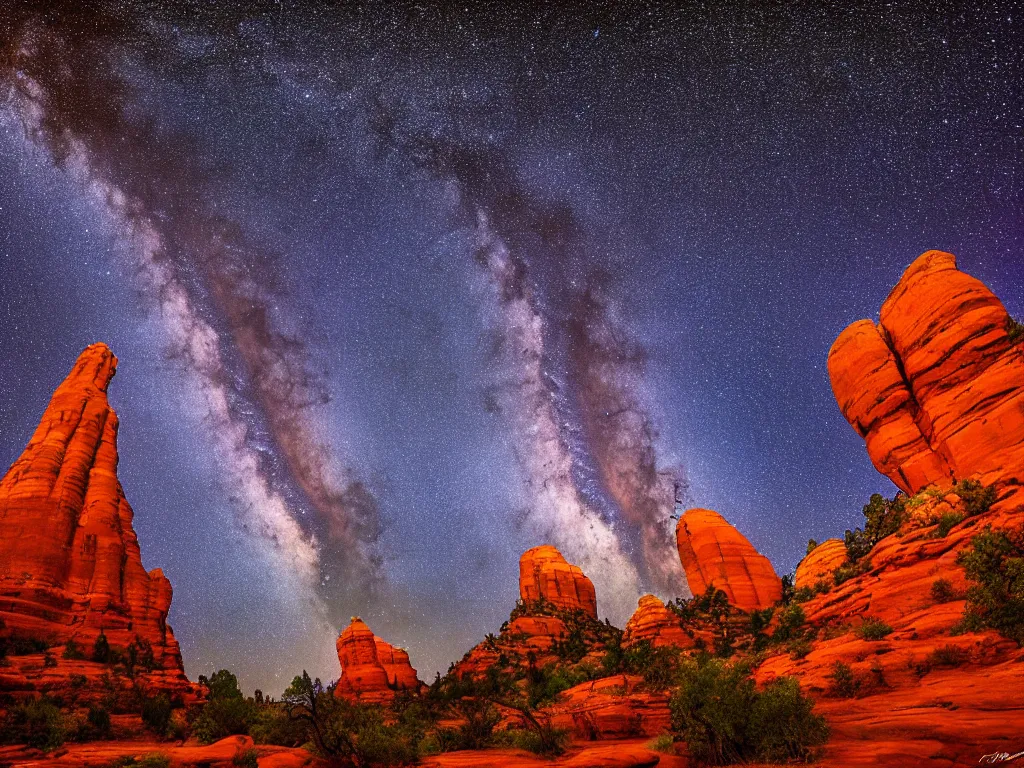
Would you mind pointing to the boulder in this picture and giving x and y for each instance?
(715, 554)
(545, 575)
(372, 670)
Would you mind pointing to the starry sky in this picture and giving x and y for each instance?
(401, 290)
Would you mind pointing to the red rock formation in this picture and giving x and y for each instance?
(937, 388)
(372, 670)
(656, 624)
(821, 564)
(713, 552)
(70, 566)
(544, 574)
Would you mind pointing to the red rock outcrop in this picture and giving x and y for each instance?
(820, 564)
(654, 622)
(713, 552)
(70, 566)
(372, 670)
(545, 575)
(936, 389)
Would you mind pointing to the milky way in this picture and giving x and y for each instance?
(400, 292)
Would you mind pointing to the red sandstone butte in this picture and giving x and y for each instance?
(544, 574)
(372, 670)
(820, 564)
(654, 622)
(70, 565)
(936, 389)
(713, 552)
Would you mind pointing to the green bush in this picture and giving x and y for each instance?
(546, 741)
(977, 498)
(156, 713)
(798, 649)
(72, 650)
(844, 684)
(723, 718)
(663, 743)
(246, 758)
(943, 592)
(947, 522)
(38, 723)
(1014, 330)
(657, 665)
(873, 629)
(791, 622)
(995, 564)
(98, 721)
(811, 546)
(947, 656)
(150, 760)
(882, 517)
(101, 649)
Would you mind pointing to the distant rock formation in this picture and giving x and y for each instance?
(372, 670)
(70, 567)
(714, 553)
(545, 575)
(820, 564)
(655, 623)
(936, 389)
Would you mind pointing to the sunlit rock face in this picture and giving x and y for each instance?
(714, 553)
(820, 564)
(936, 389)
(655, 623)
(70, 566)
(372, 670)
(544, 574)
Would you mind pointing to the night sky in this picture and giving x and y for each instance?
(400, 291)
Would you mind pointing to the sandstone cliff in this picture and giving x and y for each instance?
(372, 670)
(70, 566)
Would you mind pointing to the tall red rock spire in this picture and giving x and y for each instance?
(714, 553)
(936, 389)
(70, 565)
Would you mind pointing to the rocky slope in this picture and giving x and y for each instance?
(372, 670)
(70, 566)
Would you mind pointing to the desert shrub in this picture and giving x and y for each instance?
(873, 629)
(943, 592)
(844, 685)
(349, 733)
(977, 498)
(657, 665)
(49, 660)
(882, 517)
(156, 713)
(38, 723)
(664, 743)
(847, 571)
(97, 724)
(151, 760)
(723, 718)
(548, 741)
(1014, 330)
(78, 681)
(995, 564)
(791, 622)
(947, 656)
(72, 650)
(226, 711)
(101, 649)
(20, 645)
(246, 758)
(811, 545)
(798, 649)
(946, 523)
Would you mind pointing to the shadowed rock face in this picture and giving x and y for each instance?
(713, 552)
(372, 670)
(936, 389)
(821, 564)
(70, 565)
(544, 574)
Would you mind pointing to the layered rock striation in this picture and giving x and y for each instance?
(654, 623)
(70, 566)
(936, 388)
(714, 553)
(545, 575)
(372, 670)
(820, 564)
